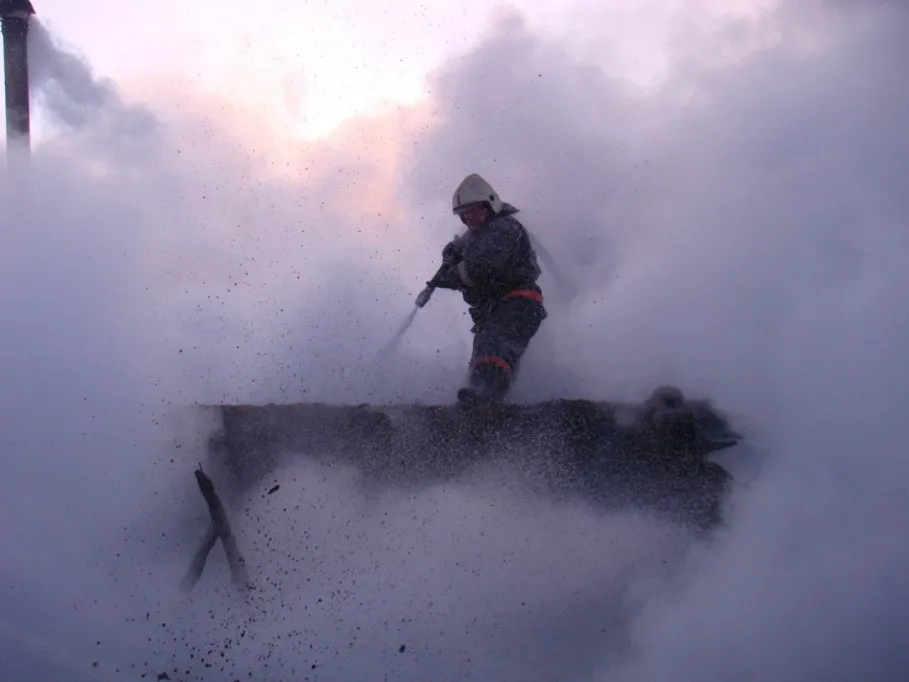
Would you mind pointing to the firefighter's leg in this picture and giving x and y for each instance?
(499, 345)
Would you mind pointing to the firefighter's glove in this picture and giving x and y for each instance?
(447, 278)
(452, 253)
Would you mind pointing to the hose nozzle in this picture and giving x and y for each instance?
(424, 296)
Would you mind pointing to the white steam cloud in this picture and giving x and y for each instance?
(738, 231)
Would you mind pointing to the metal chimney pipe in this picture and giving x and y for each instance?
(14, 16)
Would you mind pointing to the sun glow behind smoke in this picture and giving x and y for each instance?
(737, 233)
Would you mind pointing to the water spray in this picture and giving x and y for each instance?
(395, 341)
(422, 299)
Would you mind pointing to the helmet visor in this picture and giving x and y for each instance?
(467, 208)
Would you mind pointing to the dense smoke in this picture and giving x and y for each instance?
(737, 231)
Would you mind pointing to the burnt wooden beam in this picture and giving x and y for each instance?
(652, 454)
(14, 21)
(201, 556)
(219, 527)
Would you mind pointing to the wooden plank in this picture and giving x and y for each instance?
(651, 454)
(218, 528)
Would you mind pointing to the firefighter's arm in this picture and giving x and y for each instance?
(483, 264)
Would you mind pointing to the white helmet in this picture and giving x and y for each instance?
(472, 190)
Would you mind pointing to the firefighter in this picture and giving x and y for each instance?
(494, 266)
